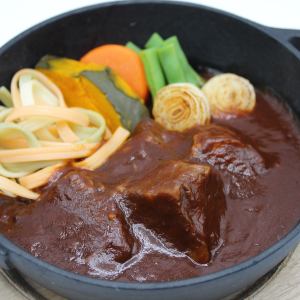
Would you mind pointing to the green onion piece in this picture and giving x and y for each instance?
(13, 131)
(154, 41)
(191, 75)
(29, 167)
(4, 113)
(133, 47)
(153, 70)
(171, 64)
(5, 97)
(83, 132)
(17, 170)
(35, 123)
(97, 120)
(10, 174)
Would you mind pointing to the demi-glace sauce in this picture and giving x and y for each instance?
(74, 229)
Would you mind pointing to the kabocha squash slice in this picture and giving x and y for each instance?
(80, 92)
(130, 110)
(97, 88)
(71, 67)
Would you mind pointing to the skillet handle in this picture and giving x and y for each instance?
(286, 36)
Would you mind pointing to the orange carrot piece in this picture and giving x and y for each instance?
(124, 61)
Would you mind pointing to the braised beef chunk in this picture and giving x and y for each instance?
(174, 200)
(222, 148)
(148, 146)
(8, 210)
(78, 224)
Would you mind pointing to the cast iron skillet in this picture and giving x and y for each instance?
(267, 56)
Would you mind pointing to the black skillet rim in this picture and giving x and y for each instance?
(293, 234)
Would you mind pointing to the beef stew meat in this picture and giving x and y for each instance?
(169, 205)
(181, 192)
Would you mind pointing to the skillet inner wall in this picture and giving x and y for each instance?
(208, 37)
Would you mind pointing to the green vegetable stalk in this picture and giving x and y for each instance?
(191, 75)
(171, 64)
(165, 62)
(154, 74)
(134, 47)
(154, 41)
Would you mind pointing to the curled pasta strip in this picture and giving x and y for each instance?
(39, 134)
(12, 188)
(229, 95)
(58, 113)
(31, 87)
(102, 154)
(40, 177)
(180, 106)
(72, 151)
(95, 133)
(13, 135)
(34, 80)
(66, 133)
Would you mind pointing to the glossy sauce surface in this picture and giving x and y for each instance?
(128, 220)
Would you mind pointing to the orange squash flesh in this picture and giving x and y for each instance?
(80, 92)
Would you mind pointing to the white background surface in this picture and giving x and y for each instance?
(18, 15)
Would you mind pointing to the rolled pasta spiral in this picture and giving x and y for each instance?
(229, 95)
(180, 106)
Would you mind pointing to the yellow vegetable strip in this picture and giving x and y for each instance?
(97, 120)
(45, 134)
(91, 146)
(40, 177)
(73, 154)
(60, 113)
(12, 174)
(15, 91)
(15, 131)
(9, 143)
(107, 134)
(4, 113)
(11, 186)
(33, 92)
(54, 144)
(66, 133)
(8, 194)
(104, 152)
(35, 123)
(84, 132)
(31, 166)
(45, 153)
(53, 130)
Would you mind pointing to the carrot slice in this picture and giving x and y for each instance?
(124, 61)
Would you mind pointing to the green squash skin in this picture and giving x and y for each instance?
(131, 110)
(43, 63)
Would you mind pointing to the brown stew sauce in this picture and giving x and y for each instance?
(170, 205)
